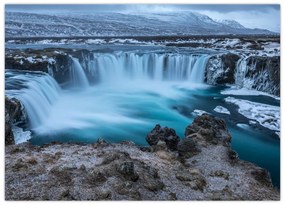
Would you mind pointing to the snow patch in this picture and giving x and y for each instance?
(267, 115)
(245, 91)
(197, 112)
(221, 109)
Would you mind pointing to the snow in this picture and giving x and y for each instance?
(245, 91)
(197, 112)
(30, 59)
(51, 61)
(267, 115)
(221, 109)
(18, 24)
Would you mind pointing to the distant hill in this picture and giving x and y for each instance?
(19, 24)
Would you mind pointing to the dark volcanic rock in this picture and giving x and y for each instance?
(187, 147)
(264, 72)
(168, 135)
(221, 69)
(13, 114)
(127, 169)
(212, 129)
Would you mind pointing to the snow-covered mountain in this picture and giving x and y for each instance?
(232, 23)
(20, 24)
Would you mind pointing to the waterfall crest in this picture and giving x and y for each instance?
(125, 66)
(241, 70)
(36, 91)
(78, 78)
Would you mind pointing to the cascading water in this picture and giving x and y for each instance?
(119, 74)
(77, 76)
(124, 66)
(241, 69)
(37, 91)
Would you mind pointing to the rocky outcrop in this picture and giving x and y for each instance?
(167, 135)
(263, 74)
(13, 114)
(204, 167)
(260, 73)
(221, 69)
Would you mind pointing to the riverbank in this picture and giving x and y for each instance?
(201, 166)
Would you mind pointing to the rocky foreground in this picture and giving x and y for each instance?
(201, 166)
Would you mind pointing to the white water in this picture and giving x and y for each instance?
(241, 69)
(124, 66)
(128, 83)
(77, 76)
(38, 93)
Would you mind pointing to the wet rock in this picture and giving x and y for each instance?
(127, 169)
(13, 114)
(9, 136)
(168, 135)
(221, 69)
(264, 73)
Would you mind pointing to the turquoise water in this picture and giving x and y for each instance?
(130, 111)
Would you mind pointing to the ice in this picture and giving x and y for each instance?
(197, 112)
(20, 135)
(221, 109)
(30, 59)
(267, 115)
(244, 91)
(51, 61)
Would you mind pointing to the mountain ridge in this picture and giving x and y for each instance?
(23, 24)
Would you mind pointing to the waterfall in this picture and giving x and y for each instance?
(125, 66)
(37, 91)
(241, 69)
(78, 78)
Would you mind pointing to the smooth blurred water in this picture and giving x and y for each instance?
(129, 109)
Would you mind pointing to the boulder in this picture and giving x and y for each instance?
(168, 135)
(127, 169)
(212, 129)
(187, 147)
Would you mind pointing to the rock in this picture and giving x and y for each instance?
(187, 147)
(192, 178)
(9, 136)
(127, 189)
(220, 173)
(13, 114)
(168, 135)
(212, 129)
(127, 169)
(221, 69)
(261, 175)
(233, 155)
(168, 156)
(96, 177)
(264, 74)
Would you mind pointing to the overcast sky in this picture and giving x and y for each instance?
(251, 16)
